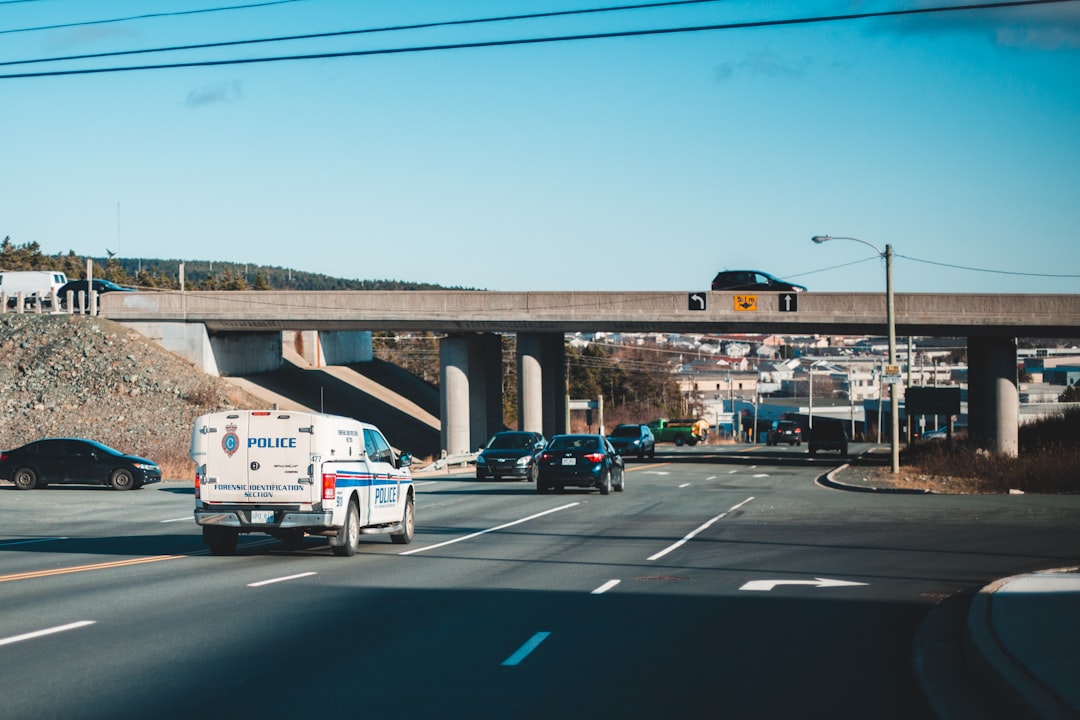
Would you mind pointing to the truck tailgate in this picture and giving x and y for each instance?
(259, 458)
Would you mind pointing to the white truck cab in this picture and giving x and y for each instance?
(288, 474)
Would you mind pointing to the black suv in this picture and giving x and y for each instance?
(785, 431)
(828, 436)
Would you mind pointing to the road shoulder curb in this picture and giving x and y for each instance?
(1000, 671)
(829, 480)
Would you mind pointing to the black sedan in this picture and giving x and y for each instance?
(74, 460)
(511, 453)
(631, 439)
(580, 460)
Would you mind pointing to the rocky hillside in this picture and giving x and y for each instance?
(78, 376)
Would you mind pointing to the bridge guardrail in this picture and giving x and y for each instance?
(36, 304)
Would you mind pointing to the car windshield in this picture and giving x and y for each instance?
(574, 442)
(626, 431)
(510, 441)
(102, 448)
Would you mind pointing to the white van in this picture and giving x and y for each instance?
(35, 285)
(289, 474)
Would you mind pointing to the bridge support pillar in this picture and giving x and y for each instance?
(470, 390)
(485, 387)
(542, 382)
(454, 393)
(993, 395)
(322, 347)
(224, 354)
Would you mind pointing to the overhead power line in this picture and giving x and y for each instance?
(145, 16)
(939, 264)
(325, 35)
(418, 26)
(548, 39)
(985, 270)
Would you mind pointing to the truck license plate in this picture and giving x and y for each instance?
(569, 461)
(262, 516)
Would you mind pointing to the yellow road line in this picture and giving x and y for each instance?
(85, 568)
(632, 468)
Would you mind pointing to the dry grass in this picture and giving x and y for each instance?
(1048, 462)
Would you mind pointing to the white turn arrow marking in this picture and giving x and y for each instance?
(767, 585)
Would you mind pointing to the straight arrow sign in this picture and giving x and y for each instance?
(767, 585)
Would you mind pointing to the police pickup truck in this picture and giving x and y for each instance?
(290, 474)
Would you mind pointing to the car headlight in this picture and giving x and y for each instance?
(480, 460)
(524, 461)
(144, 466)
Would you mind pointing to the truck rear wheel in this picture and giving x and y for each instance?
(408, 524)
(222, 541)
(349, 534)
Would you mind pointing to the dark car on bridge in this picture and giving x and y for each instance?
(580, 460)
(511, 453)
(72, 461)
(78, 289)
(633, 439)
(752, 280)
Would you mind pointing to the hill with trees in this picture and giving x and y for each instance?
(198, 274)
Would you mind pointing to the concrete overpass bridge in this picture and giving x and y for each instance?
(239, 332)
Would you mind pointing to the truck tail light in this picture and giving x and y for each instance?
(329, 486)
(198, 481)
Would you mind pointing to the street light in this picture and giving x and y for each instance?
(890, 315)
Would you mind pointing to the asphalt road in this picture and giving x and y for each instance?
(718, 584)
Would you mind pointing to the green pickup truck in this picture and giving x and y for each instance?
(680, 432)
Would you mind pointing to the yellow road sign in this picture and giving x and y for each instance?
(746, 303)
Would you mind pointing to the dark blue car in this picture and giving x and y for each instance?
(585, 460)
(78, 288)
(631, 439)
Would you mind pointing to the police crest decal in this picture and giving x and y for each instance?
(230, 443)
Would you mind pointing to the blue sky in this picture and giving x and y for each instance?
(632, 163)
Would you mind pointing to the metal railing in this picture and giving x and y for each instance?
(50, 304)
(444, 462)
